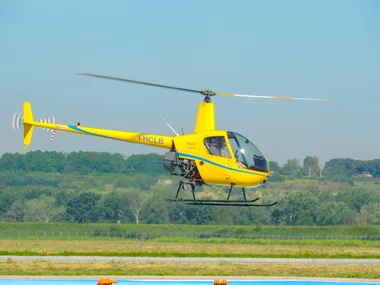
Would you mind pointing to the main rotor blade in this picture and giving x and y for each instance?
(271, 97)
(140, 82)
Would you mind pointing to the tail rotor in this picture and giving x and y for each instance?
(50, 120)
(18, 119)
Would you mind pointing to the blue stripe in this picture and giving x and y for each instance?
(218, 165)
(75, 128)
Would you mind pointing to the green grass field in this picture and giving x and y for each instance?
(128, 247)
(8, 230)
(187, 241)
(224, 269)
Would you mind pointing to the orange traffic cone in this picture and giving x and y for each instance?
(106, 281)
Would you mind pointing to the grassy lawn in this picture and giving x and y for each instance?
(70, 230)
(223, 269)
(127, 247)
(180, 244)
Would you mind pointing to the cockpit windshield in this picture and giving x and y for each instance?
(246, 153)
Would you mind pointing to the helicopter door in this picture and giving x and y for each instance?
(219, 160)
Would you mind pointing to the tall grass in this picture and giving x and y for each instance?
(119, 247)
(185, 231)
(222, 269)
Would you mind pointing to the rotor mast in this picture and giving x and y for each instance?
(206, 114)
(205, 118)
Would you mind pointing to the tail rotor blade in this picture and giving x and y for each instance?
(49, 121)
(14, 121)
(18, 120)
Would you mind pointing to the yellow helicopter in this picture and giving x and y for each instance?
(205, 157)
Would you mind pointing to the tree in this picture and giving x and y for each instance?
(7, 162)
(291, 167)
(42, 209)
(274, 167)
(16, 212)
(224, 215)
(297, 208)
(156, 211)
(145, 163)
(201, 215)
(357, 198)
(7, 198)
(311, 166)
(135, 201)
(332, 213)
(81, 207)
(110, 207)
(340, 167)
(370, 214)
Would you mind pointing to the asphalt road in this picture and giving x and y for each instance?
(194, 260)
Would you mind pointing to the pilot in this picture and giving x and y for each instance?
(214, 149)
(223, 148)
(218, 147)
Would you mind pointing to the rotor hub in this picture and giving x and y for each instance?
(208, 94)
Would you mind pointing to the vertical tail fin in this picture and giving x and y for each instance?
(28, 125)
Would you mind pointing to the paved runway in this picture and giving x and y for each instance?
(195, 260)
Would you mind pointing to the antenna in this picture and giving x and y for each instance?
(171, 128)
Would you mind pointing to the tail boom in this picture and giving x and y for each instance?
(140, 138)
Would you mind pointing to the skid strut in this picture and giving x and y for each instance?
(228, 202)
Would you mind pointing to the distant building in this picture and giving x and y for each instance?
(366, 174)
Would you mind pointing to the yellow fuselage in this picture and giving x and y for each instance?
(216, 169)
(213, 169)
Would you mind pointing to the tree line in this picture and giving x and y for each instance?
(89, 187)
(103, 162)
(81, 162)
(337, 167)
(313, 207)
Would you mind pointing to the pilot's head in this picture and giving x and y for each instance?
(220, 142)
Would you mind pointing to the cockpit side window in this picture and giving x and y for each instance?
(247, 155)
(217, 146)
(240, 159)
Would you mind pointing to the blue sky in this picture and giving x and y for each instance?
(317, 49)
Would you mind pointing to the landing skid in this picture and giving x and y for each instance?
(228, 202)
(248, 203)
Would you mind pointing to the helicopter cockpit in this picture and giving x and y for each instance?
(246, 153)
